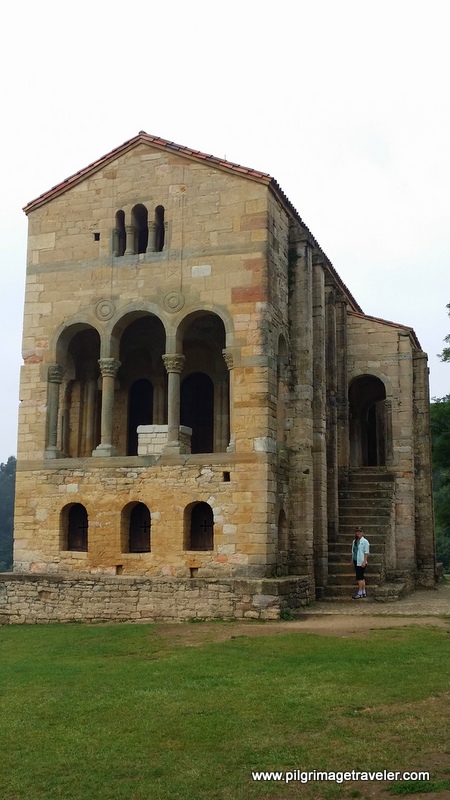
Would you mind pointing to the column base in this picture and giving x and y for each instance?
(173, 447)
(53, 452)
(232, 445)
(104, 450)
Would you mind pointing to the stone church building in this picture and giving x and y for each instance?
(206, 412)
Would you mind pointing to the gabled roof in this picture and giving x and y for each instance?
(159, 144)
(195, 155)
(397, 325)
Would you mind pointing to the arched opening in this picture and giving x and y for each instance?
(282, 389)
(368, 422)
(199, 522)
(136, 528)
(159, 229)
(139, 219)
(204, 400)
(283, 544)
(197, 411)
(119, 243)
(142, 396)
(75, 525)
(140, 411)
(79, 424)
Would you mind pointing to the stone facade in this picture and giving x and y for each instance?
(198, 384)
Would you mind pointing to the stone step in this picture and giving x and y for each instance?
(367, 474)
(361, 502)
(343, 592)
(389, 592)
(340, 568)
(365, 495)
(347, 517)
(342, 542)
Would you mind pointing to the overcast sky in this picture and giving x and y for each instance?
(345, 103)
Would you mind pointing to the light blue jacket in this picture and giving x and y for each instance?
(362, 551)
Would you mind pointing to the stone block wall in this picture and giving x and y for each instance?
(152, 439)
(31, 599)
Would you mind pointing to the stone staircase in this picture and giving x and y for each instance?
(366, 500)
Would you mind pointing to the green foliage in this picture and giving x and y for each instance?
(7, 485)
(126, 712)
(440, 433)
(445, 355)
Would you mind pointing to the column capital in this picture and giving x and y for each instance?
(174, 362)
(229, 358)
(55, 373)
(109, 367)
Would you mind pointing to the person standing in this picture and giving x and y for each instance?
(360, 552)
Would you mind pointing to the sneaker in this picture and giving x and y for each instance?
(356, 596)
(364, 594)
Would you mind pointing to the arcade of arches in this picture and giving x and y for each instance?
(103, 401)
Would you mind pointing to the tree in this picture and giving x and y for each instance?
(440, 436)
(445, 355)
(7, 486)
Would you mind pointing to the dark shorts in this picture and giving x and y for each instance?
(359, 572)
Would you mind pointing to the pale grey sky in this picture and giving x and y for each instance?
(345, 104)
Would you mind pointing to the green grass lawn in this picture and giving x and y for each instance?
(121, 712)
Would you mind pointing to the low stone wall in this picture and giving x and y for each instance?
(31, 598)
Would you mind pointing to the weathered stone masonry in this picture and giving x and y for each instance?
(203, 403)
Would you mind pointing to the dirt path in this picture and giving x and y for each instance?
(424, 608)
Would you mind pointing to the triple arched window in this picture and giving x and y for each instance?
(136, 527)
(142, 233)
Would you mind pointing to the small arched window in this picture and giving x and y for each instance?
(119, 234)
(200, 524)
(77, 526)
(139, 218)
(138, 521)
(159, 228)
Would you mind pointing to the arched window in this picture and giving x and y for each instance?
(119, 234)
(369, 422)
(159, 228)
(80, 415)
(139, 525)
(139, 220)
(200, 527)
(205, 383)
(197, 411)
(140, 411)
(282, 389)
(283, 545)
(75, 520)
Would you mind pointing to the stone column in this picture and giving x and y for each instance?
(425, 541)
(116, 242)
(55, 376)
(221, 435)
(90, 390)
(319, 428)
(158, 401)
(109, 368)
(301, 521)
(174, 363)
(229, 361)
(342, 385)
(332, 430)
(130, 240)
(151, 244)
